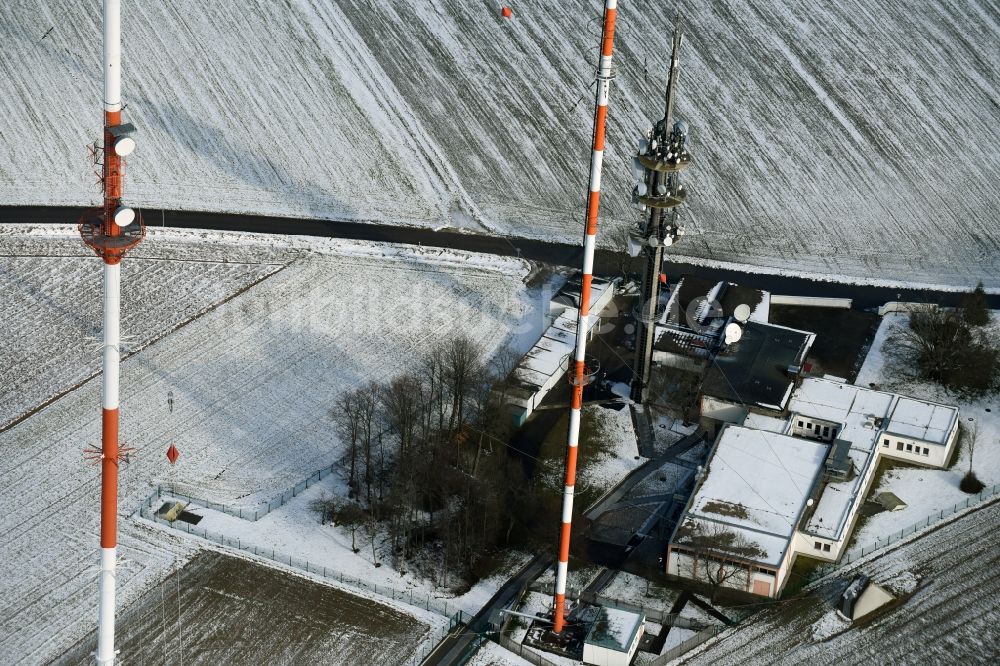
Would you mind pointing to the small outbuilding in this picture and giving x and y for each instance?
(861, 598)
(614, 637)
(890, 501)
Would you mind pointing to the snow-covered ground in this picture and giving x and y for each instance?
(927, 491)
(491, 654)
(52, 309)
(253, 380)
(834, 139)
(952, 616)
(603, 469)
(293, 529)
(638, 591)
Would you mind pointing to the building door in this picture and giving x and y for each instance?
(762, 587)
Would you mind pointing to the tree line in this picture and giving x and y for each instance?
(427, 463)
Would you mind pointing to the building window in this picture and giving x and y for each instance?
(899, 446)
(801, 424)
(826, 548)
(766, 572)
(885, 442)
(826, 431)
(909, 447)
(835, 433)
(818, 546)
(809, 426)
(926, 451)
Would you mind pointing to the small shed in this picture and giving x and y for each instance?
(613, 637)
(890, 501)
(861, 598)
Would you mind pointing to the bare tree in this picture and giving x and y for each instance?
(325, 507)
(346, 416)
(367, 399)
(970, 483)
(943, 348)
(350, 515)
(401, 401)
(934, 341)
(463, 364)
(719, 553)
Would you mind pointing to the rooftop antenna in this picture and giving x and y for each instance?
(579, 375)
(111, 231)
(662, 155)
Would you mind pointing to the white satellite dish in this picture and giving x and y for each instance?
(124, 216)
(124, 146)
(733, 333)
(742, 313)
(641, 189)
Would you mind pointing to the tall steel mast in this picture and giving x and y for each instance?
(111, 231)
(662, 155)
(579, 375)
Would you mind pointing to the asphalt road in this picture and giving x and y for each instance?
(454, 646)
(606, 262)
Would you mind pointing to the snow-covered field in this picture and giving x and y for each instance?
(927, 491)
(853, 139)
(253, 380)
(51, 310)
(228, 610)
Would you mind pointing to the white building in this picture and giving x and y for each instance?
(853, 427)
(546, 363)
(739, 527)
(614, 637)
(874, 424)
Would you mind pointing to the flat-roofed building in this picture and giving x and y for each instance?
(852, 428)
(613, 638)
(739, 526)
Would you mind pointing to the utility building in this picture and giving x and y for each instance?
(793, 484)
(614, 637)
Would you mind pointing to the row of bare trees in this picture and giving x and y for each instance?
(427, 461)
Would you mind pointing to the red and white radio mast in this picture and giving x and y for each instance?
(579, 375)
(111, 231)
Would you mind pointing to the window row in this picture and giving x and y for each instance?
(825, 547)
(910, 448)
(824, 431)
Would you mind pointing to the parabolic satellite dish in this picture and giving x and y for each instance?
(733, 333)
(742, 313)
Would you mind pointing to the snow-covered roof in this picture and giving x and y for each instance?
(549, 355)
(836, 502)
(865, 413)
(765, 422)
(614, 628)
(926, 421)
(858, 411)
(756, 486)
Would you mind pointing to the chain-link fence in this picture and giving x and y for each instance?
(428, 646)
(689, 644)
(439, 606)
(941, 514)
(249, 512)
